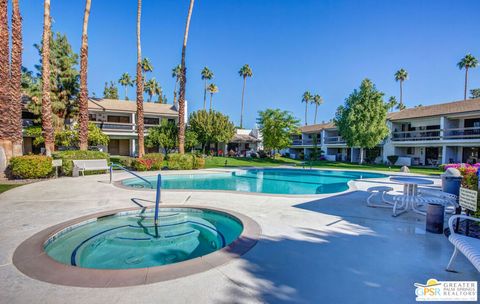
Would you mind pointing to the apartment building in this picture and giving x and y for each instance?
(117, 119)
(422, 136)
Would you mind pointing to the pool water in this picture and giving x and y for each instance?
(274, 181)
(131, 240)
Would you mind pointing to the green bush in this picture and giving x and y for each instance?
(124, 161)
(67, 158)
(185, 162)
(31, 166)
(199, 162)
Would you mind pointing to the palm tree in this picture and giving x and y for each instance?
(206, 75)
(126, 81)
(306, 98)
(183, 82)
(176, 73)
(401, 75)
(212, 89)
(4, 71)
(152, 88)
(317, 100)
(466, 63)
(244, 72)
(83, 111)
(146, 65)
(392, 102)
(47, 127)
(140, 127)
(16, 80)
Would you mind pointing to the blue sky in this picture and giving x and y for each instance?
(325, 46)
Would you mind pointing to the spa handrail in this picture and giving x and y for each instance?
(128, 171)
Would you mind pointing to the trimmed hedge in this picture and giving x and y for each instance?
(31, 166)
(67, 158)
(185, 162)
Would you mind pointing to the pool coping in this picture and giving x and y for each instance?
(31, 259)
(351, 183)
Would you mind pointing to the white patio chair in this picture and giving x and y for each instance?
(379, 191)
(469, 246)
(449, 200)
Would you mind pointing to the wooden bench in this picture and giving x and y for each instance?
(89, 165)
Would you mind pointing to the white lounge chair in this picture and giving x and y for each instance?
(469, 246)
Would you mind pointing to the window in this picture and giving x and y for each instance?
(151, 121)
(92, 117)
(410, 151)
(120, 119)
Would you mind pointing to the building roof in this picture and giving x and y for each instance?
(455, 107)
(243, 138)
(317, 127)
(131, 106)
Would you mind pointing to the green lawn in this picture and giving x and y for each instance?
(5, 187)
(215, 162)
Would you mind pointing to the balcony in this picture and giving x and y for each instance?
(419, 135)
(462, 133)
(334, 140)
(306, 142)
(115, 126)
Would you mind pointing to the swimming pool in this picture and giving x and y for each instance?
(131, 240)
(273, 181)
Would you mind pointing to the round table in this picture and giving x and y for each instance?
(410, 184)
(410, 198)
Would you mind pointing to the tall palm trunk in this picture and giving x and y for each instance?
(5, 142)
(47, 127)
(16, 80)
(211, 96)
(243, 95)
(183, 81)
(83, 115)
(205, 95)
(401, 92)
(175, 93)
(306, 108)
(466, 84)
(140, 127)
(316, 110)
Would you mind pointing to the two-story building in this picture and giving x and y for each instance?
(424, 136)
(117, 119)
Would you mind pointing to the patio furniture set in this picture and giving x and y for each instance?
(414, 198)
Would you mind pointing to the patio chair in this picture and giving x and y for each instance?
(450, 200)
(469, 246)
(379, 191)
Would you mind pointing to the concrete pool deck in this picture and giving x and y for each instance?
(327, 248)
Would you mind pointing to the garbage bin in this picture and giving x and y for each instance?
(451, 181)
(435, 216)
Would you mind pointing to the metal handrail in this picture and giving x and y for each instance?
(126, 170)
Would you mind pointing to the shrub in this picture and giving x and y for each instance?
(31, 166)
(392, 159)
(199, 162)
(143, 164)
(157, 160)
(262, 154)
(67, 158)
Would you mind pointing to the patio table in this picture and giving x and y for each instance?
(410, 196)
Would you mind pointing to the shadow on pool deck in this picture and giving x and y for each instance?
(352, 259)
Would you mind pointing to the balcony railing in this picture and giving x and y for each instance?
(334, 140)
(306, 142)
(115, 126)
(416, 135)
(462, 133)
